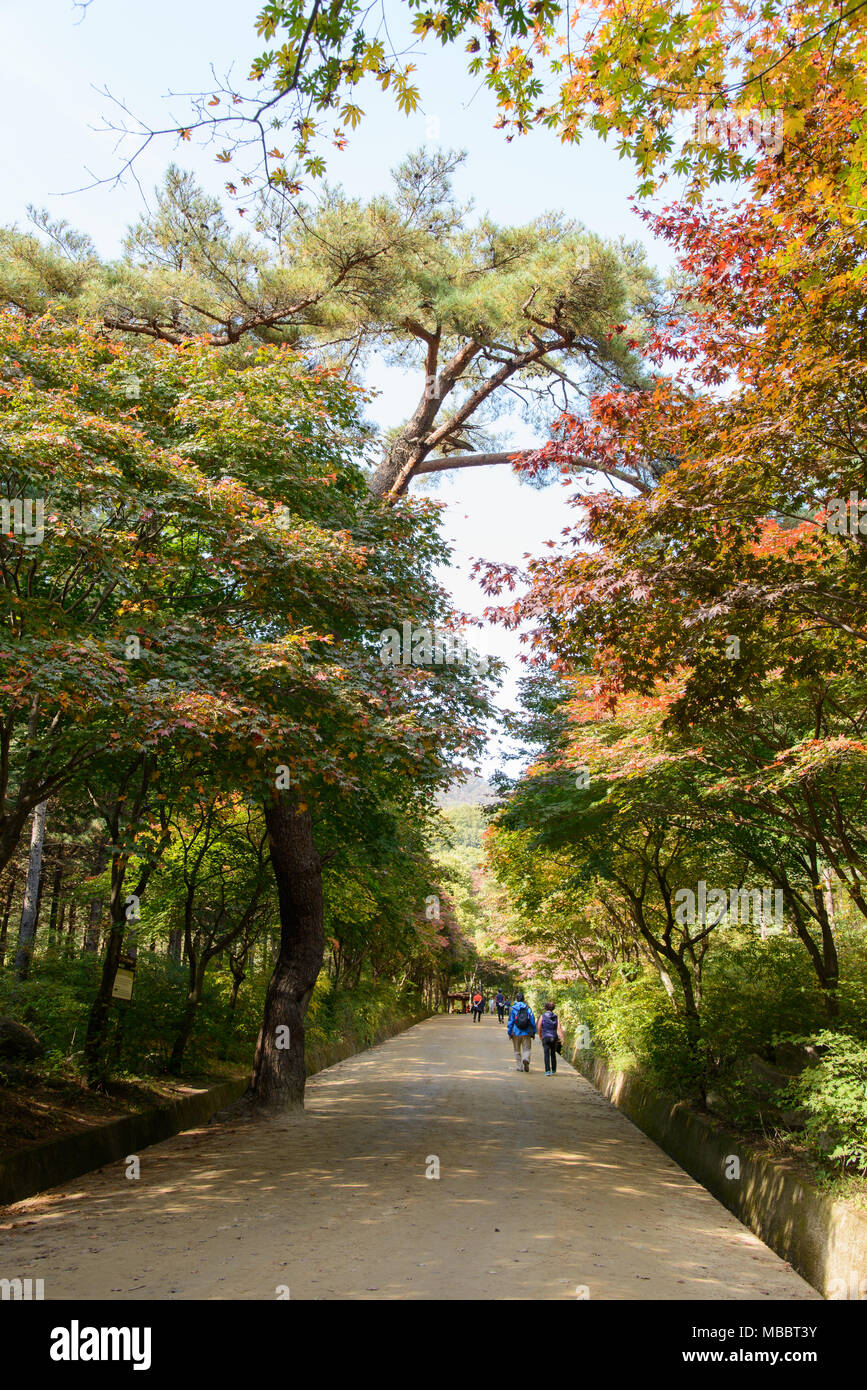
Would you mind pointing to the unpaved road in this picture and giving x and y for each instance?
(543, 1188)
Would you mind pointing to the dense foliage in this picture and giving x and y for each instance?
(690, 837)
(191, 633)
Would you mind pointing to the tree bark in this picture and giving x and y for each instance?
(10, 835)
(280, 1071)
(185, 1028)
(4, 926)
(91, 935)
(449, 461)
(27, 929)
(69, 949)
(55, 917)
(96, 1041)
(238, 978)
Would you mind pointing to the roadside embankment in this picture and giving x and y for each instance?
(823, 1239)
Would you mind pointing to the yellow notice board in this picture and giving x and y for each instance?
(123, 984)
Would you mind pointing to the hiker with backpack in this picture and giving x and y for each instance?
(521, 1029)
(551, 1035)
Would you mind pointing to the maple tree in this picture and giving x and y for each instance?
(213, 887)
(717, 591)
(622, 833)
(695, 91)
(238, 547)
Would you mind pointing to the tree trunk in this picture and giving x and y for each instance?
(55, 913)
(185, 1028)
(27, 930)
(239, 975)
(96, 1043)
(279, 1070)
(828, 895)
(7, 912)
(91, 934)
(10, 835)
(70, 929)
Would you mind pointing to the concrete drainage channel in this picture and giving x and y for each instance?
(824, 1240)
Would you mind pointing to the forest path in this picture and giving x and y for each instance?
(543, 1187)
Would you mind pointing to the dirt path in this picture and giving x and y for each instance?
(543, 1188)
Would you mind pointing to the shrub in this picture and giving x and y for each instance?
(833, 1095)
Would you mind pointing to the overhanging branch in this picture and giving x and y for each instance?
(440, 465)
(449, 461)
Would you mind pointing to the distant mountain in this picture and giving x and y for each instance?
(475, 791)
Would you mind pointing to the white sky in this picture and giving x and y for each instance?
(56, 61)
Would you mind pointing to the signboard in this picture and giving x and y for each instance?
(123, 980)
(123, 984)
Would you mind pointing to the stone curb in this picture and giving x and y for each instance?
(33, 1170)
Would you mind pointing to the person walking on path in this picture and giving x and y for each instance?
(478, 1005)
(551, 1035)
(501, 1005)
(521, 1028)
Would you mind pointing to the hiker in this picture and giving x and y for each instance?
(551, 1035)
(521, 1027)
(478, 1005)
(501, 1005)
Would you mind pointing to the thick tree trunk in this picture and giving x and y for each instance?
(238, 978)
(29, 912)
(279, 1068)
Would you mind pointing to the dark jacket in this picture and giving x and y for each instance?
(549, 1026)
